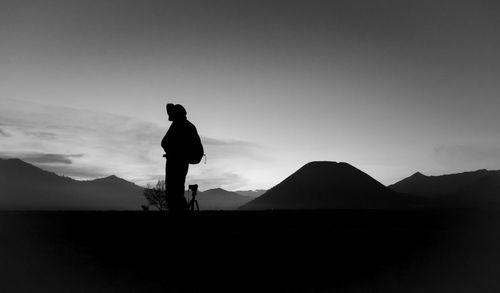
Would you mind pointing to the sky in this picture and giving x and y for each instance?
(391, 87)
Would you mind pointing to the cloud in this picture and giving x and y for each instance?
(49, 158)
(79, 172)
(42, 135)
(222, 149)
(61, 164)
(57, 137)
(42, 158)
(227, 143)
(4, 133)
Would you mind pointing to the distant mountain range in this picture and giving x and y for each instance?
(252, 193)
(317, 185)
(481, 187)
(330, 185)
(220, 199)
(26, 187)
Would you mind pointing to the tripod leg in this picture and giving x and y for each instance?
(197, 206)
(191, 205)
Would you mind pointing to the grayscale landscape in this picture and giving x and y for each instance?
(250, 146)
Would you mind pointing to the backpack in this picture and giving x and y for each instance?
(195, 150)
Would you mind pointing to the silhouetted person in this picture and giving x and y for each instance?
(177, 144)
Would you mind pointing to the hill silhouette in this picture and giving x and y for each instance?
(467, 188)
(329, 185)
(26, 187)
(251, 193)
(220, 199)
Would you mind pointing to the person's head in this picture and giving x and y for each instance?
(176, 112)
(170, 112)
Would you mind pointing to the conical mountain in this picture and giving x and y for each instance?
(328, 185)
(26, 187)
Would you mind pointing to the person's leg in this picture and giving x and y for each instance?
(174, 185)
(183, 170)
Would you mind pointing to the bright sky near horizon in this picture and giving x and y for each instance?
(391, 87)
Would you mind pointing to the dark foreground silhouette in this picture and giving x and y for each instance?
(182, 146)
(290, 251)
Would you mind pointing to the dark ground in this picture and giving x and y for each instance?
(299, 251)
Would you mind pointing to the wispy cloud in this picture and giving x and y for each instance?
(42, 135)
(39, 158)
(4, 133)
(86, 145)
(81, 172)
(228, 143)
(224, 148)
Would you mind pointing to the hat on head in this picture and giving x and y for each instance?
(180, 111)
(170, 109)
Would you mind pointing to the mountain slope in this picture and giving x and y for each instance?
(26, 187)
(475, 187)
(438, 185)
(220, 199)
(328, 185)
(252, 193)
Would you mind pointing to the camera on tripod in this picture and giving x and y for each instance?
(193, 188)
(193, 203)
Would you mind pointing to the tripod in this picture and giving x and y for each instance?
(193, 202)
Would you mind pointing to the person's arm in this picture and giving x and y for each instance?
(164, 144)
